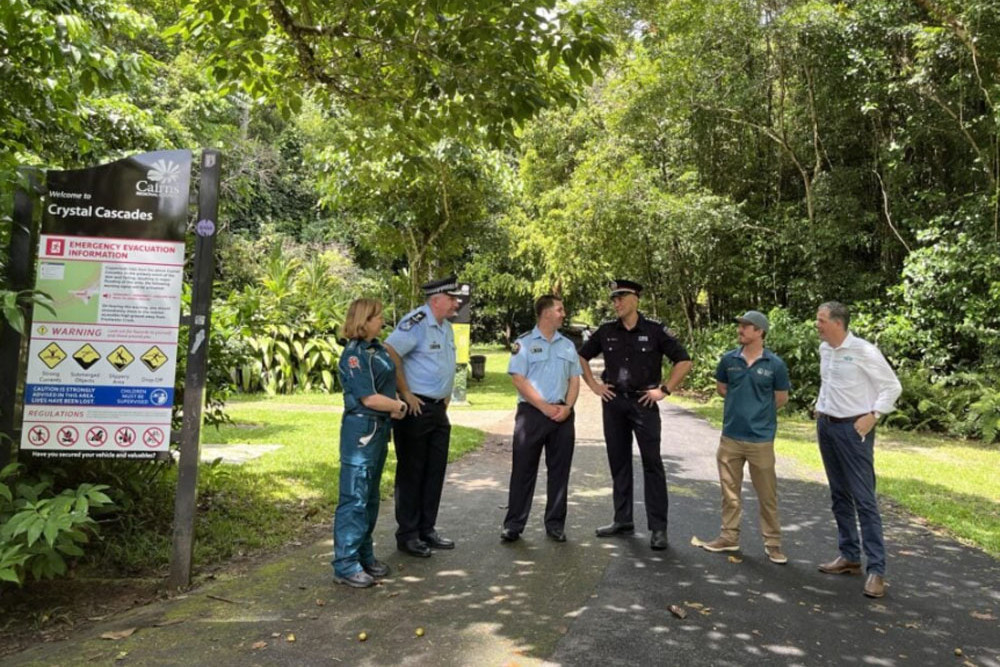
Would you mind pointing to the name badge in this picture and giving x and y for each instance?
(643, 338)
(435, 346)
(536, 350)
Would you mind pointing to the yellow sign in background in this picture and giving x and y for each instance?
(463, 336)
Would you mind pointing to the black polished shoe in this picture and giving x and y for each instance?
(508, 535)
(377, 569)
(556, 534)
(435, 541)
(415, 547)
(658, 540)
(615, 528)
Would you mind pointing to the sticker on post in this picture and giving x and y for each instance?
(204, 228)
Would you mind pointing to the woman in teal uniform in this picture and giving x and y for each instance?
(368, 377)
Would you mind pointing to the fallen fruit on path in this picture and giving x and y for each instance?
(362, 636)
(419, 632)
(958, 651)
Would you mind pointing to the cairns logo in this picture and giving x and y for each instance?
(159, 180)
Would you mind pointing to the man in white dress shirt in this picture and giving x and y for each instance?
(857, 387)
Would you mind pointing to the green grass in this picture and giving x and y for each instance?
(951, 483)
(279, 497)
(495, 391)
(264, 503)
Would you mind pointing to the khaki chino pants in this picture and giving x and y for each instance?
(731, 457)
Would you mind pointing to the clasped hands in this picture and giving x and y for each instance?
(557, 412)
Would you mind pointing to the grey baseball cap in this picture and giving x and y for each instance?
(756, 318)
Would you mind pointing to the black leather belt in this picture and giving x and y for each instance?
(838, 420)
(428, 399)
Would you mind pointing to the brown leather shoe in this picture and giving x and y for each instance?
(775, 555)
(875, 586)
(840, 565)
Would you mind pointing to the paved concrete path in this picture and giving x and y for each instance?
(587, 601)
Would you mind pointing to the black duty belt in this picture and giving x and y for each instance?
(631, 393)
(838, 420)
(428, 399)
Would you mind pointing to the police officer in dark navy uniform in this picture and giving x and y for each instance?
(423, 349)
(630, 387)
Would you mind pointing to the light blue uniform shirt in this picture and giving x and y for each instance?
(428, 353)
(548, 366)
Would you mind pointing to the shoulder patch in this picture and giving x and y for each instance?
(670, 332)
(353, 362)
(515, 348)
(413, 321)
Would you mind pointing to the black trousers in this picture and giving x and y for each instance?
(421, 443)
(533, 431)
(624, 416)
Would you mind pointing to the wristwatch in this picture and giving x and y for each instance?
(665, 389)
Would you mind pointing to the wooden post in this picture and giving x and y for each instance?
(19, 256)
(185, 501)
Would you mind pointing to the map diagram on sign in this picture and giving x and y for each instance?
(72, 289)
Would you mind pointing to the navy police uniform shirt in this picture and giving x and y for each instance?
(428, 353)
(750, 412)
(547, 365)
(633, 360)
(366, 369)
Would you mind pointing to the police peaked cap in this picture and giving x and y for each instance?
(447, 286)
(619, 287)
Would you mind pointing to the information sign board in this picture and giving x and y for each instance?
(100, 380)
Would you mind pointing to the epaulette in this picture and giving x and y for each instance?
(607, 322)
(654, 322)
(413, 321)
(526, 333)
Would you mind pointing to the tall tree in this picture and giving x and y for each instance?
(446, 67)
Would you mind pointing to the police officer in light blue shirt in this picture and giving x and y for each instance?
(423, 348)
(545, 369)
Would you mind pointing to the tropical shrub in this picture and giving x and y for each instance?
(279, 333)
(40, 529)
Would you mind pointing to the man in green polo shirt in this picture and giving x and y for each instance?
(754, 382)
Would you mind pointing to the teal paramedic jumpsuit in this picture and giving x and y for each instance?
(365, 369)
